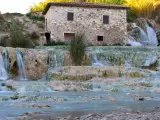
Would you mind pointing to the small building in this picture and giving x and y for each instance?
(102, 24)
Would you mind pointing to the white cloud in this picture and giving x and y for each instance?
(19, 6)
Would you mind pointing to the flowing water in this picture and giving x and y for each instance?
(152, 35)
(145, 38)
(99, 96)
(96, 61)
(3, 71)
(21, 67)
(6, 59)
(56, 58)
(89, 96)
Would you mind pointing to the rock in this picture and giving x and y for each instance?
(141, 98)
(111, 99)
(35, 62)
(12, 60)
(69, 86)
(30, 114)
(141, 22)
(65, 118)
(158, 36)
(40, 106)
(84, 72)
(15, 97)
(138, 97)
(68, 61)
(10, 88)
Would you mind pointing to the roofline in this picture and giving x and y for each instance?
(88, 5)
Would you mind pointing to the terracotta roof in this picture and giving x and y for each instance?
(83, 4)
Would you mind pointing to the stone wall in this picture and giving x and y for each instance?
(90, 22)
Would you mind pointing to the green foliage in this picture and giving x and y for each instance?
(54, 43)
(147, 84)
(139, 8)
(16, 14)
(115, 89)
(41, 5)
(77, 49)
(34, 35)
(135, 74)
(34, 17)
(17, 37)
(3, 43)
(118, 2)
(131, 16)
(142, 8)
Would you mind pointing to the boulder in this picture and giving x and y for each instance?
(35, 62)
(12, 60)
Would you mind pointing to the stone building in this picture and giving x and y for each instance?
(102, 24)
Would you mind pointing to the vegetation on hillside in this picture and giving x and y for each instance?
(34, 17)
(139, 8)
(17, 37)
(41, 5)
(142, 8)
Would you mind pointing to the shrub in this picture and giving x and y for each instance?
(54, 43)
(17, 38)
(34, 35)
(131, 16)
(3, 43)
(77, 49)
(34, 17)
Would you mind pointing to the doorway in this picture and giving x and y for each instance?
(48, 37)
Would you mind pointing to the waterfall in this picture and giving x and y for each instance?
(143, 38)
(6, 59)
(95, 60)
(56, 59)
(133, 42)
(150, 60)
(152, 35)
(21, 67)
(3, 72)
(148, 38)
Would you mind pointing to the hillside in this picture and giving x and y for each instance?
(31, 26)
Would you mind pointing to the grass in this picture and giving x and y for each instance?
(77, 49)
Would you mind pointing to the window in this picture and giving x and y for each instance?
(99, 38)
(105, 19)
(69, 36)
(70, 16)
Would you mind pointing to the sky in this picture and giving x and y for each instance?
(19, 6)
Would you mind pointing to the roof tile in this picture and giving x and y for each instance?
(83, 4)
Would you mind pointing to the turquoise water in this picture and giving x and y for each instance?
(101, 96)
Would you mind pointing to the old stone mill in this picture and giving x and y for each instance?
(121, 72)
